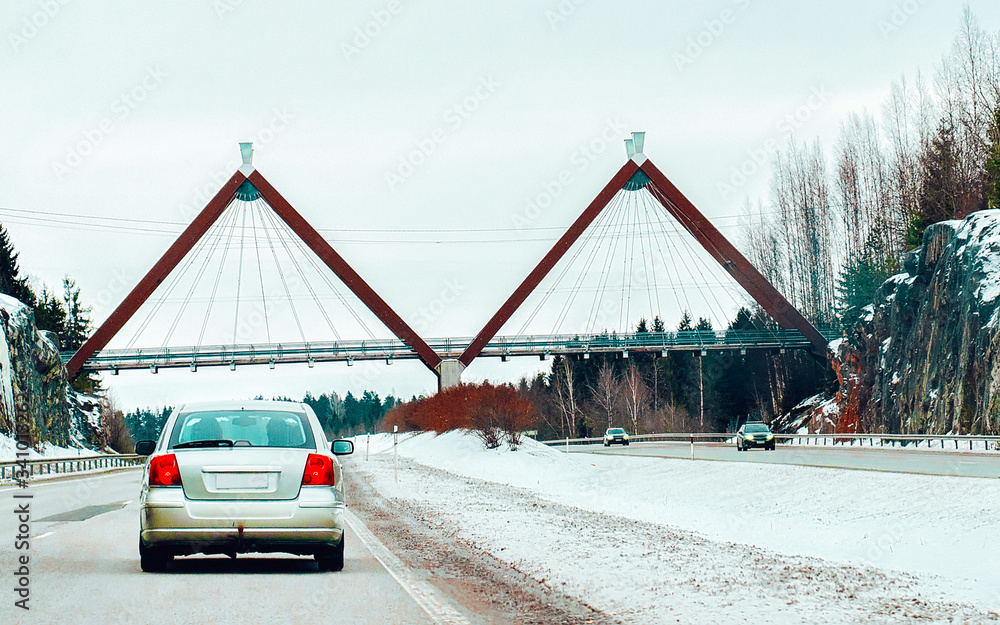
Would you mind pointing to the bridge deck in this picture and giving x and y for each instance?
(390, 349)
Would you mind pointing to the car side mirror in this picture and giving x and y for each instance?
(342, 448)
(145, 448)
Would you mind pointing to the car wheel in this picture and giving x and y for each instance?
(607, 444)
(333, 559)
(625, 443)
(152, 560)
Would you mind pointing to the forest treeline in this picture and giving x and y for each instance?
(339, 416)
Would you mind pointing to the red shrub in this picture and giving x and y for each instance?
(492, 412)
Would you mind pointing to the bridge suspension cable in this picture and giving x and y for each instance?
(218, 272)
(636, 262)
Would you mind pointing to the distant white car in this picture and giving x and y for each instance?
(615, 435)
(238, 477)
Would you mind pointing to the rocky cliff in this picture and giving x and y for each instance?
(926, 358)
(37, 401)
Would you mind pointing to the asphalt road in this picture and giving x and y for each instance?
(84, 568)
(880, 459)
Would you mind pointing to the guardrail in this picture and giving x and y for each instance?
(845, 440)
(46, 466)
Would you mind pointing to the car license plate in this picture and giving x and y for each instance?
(240, 480)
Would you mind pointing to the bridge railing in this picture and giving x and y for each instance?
(49, 466)
(912, 441)
(389, 349)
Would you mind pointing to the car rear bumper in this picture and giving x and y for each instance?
(304, 525)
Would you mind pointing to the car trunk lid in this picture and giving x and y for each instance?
(241, 472)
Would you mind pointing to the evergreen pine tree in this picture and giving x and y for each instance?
(993, 164)
(658, 325)
(77, 328)
(50, 314)
(11, 282)
(861, 278)
(939, 185)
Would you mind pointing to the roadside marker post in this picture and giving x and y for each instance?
(395, 453)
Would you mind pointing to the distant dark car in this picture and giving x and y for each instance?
(615, 435)
(754, 435)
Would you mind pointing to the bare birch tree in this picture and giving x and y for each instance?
(606, 393)
(636, 396)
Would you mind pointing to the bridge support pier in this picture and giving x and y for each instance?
(449, 372)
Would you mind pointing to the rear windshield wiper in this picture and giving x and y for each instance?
(217, 442)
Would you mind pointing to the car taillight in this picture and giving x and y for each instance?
(319, 471)
(163, 471)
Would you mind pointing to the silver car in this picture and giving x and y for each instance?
(238, 477)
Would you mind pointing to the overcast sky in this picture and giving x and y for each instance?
(136, 115)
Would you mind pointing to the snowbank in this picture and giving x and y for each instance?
(940, 529)
(8, 450)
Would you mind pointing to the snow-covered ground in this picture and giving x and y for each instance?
(660, 540)
(8, 450)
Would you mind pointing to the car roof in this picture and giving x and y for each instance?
(246, 404)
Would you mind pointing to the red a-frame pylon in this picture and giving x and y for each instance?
(247, 174)
(640, 171)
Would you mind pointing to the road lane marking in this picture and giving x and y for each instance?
(429, 598)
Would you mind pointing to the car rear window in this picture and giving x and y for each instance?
(255, 428)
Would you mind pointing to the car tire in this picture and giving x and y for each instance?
(332, 559)
(625, 443)
(152, 560)
(607, 444)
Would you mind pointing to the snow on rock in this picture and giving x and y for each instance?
(11, 307)
(37, 402)
(8, 450)
(926, 356)
(816, 415)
